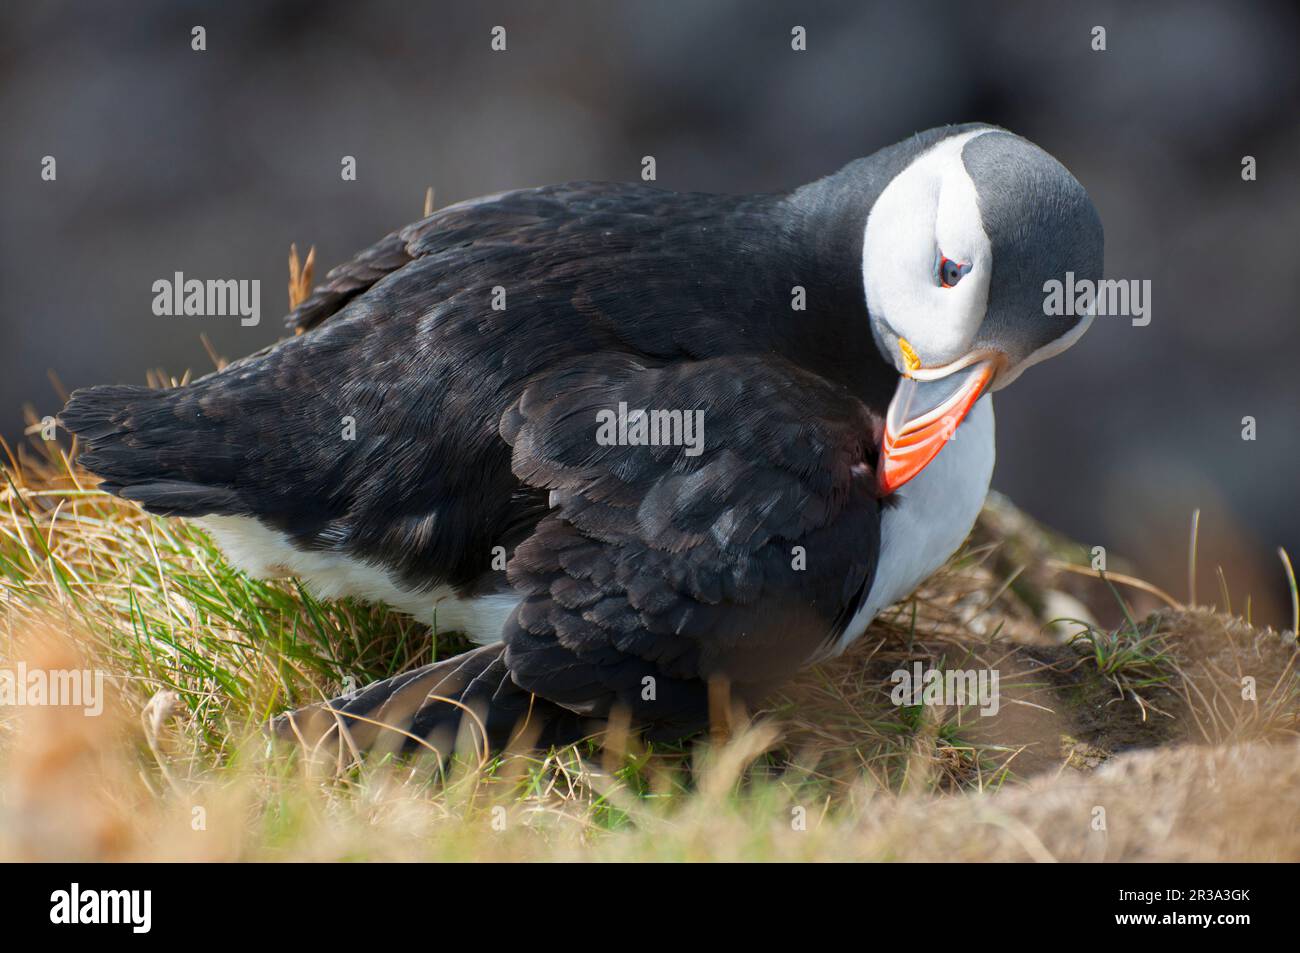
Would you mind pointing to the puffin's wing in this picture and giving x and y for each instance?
(344, 282)
(736, 552)
(574, 214)
(737, 555)
(375, 436)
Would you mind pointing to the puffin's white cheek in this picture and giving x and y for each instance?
(939, 323)
(948, 328)
(940, 326)
(952, 328)
(931, 208)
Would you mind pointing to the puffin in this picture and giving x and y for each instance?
(647, 449)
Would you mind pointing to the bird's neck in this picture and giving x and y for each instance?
(833, 335)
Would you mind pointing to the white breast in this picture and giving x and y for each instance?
(268, 554)
(931, 518)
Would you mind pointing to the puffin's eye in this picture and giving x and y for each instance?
(950, 271)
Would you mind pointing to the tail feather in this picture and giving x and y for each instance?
(154, 447)
(467, 700)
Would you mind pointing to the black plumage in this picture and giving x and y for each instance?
(475, 429)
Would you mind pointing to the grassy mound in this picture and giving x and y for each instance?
(1178, 725)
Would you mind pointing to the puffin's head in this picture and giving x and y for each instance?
(957, 249)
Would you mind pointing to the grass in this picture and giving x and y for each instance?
(199, 655)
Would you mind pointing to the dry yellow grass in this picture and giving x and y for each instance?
(1136, 743)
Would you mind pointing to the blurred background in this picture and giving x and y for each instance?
(212, 163)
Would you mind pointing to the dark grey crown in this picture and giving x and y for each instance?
(1041, 224)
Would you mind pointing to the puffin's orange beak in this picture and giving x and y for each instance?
(924, 415)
